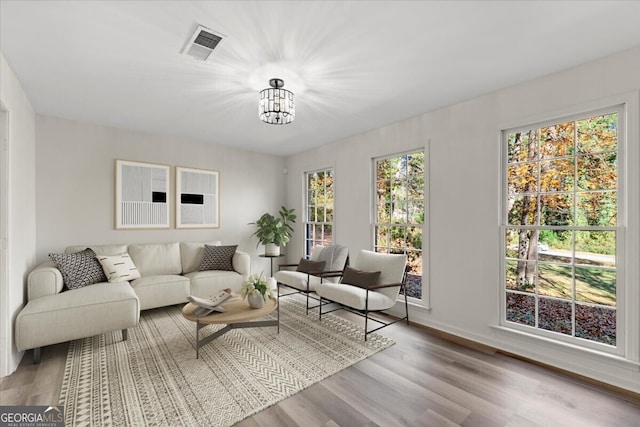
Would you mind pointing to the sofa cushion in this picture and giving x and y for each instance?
(297, 279)
(99, 249)
(161, 290)
(156, 258)
(391, 268)
(88, 311)
(355, 297)
(335, 256)
(119, 268)
(218, 258)
(161, 279)
(315, 252)
(191, 254)
(79, 269)
(206, 283)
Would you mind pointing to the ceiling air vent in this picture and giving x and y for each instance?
(202, 43)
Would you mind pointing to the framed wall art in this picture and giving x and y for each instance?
(142, 195)
(197, 198)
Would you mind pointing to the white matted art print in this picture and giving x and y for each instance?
(142, 195)
(197, 198)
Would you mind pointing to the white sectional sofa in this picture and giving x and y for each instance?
(170, 272)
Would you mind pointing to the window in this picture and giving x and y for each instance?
(562, 228)
(318, 228)
(399, 212)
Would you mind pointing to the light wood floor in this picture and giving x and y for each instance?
(423, 380)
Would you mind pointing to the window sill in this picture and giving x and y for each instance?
(600, 356)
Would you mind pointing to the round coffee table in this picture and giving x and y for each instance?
(237, 315)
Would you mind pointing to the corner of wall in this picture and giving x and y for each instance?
(20, 201)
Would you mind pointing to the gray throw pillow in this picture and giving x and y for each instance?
(79, 269)
(218, 258)
(307, 266)
(359, 278)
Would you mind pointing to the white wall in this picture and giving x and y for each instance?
(463, 250)
(21, 209)
(75, 186)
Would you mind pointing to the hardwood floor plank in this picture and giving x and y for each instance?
(520, 383)
(15, 395)
(433, 419)
(48, 393)
(407, 395)
(38, 384)
(272, 416)
(382, 404)
(448, 387)
(336, 409)
(565, 409)
(303, 410)
(517, 421)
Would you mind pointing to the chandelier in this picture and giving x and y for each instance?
(276, 104)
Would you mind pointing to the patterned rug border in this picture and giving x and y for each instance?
(112, 382)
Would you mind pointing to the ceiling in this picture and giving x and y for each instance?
(353, 65)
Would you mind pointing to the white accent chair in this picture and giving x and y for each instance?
(365, 298)
(336, 257)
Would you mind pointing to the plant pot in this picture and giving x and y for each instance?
(255, 301)
(271, 249)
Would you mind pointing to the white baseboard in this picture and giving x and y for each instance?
(613, 370)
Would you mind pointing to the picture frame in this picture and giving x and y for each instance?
(142, 195)
(197, 198)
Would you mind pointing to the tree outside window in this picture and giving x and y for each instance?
(399, 212)
(561, 230)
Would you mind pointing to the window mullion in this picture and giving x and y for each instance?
(575, 283)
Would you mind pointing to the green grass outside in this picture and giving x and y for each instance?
(593, 284)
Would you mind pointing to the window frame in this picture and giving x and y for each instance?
(623, 303)
(308, 247)
(424, 298)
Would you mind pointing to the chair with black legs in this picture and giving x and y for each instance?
(325, 265)
(372, 285)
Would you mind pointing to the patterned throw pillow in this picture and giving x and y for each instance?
(217, 258)
(119, 268)
(79, 269)
(359, 278)
(307, 266)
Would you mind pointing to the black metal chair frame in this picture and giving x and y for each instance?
(365, 313)
(307, 292)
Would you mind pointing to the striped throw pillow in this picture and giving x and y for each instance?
(119, 268)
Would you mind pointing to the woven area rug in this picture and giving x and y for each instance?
(154, 378)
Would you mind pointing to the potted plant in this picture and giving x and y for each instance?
(274, 232)
(256, 289)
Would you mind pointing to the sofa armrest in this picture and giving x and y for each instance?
(242, 263)
(44, 280)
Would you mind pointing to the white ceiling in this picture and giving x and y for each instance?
(353, 65)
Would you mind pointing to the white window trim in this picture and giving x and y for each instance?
(305, 201)
(423, 303)
(628, 302)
